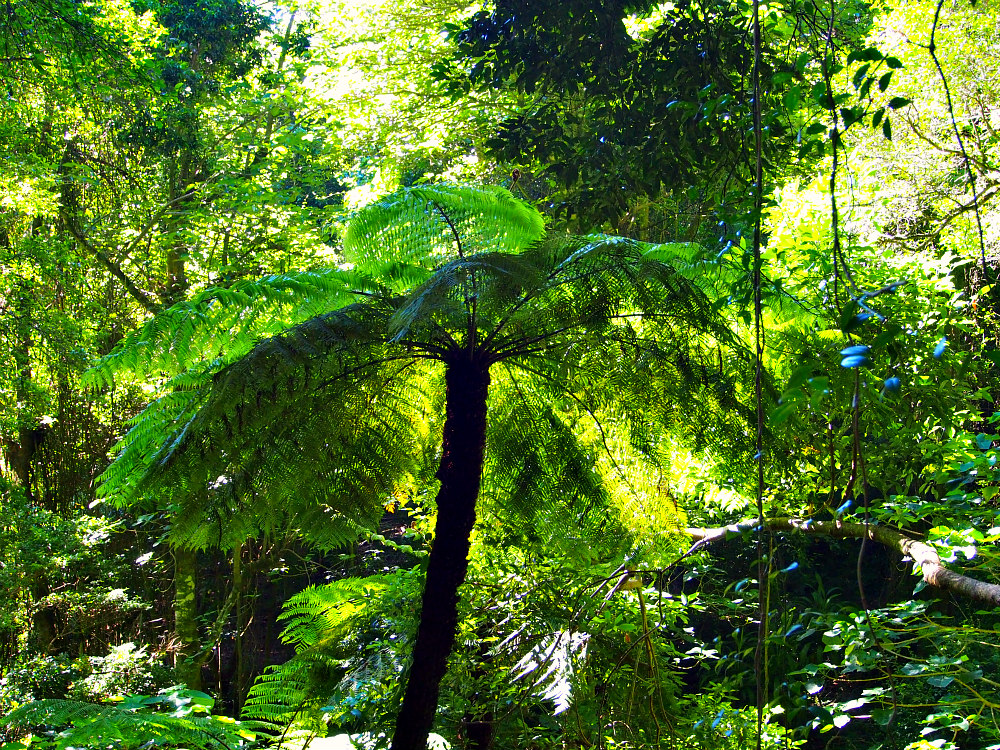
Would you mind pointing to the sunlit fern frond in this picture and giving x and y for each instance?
(401, 239)
(136, 451)
(593, 283)
(316, 427)
(281, 694)
(542, 478)
(310, 429)
(223, 323)
(318, 619)
(129, 728)
(635, 343)
(319, 614)
(334, 672)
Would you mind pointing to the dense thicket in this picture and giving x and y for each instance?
(383, 369)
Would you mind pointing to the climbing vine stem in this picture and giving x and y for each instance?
(763, 579)
(932, 50)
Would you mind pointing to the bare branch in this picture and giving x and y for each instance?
(933, 570)
(140, 296)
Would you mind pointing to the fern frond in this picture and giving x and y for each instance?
(312, 429)
(319, 614)
(635, 342)
(98, 725)
(542, 477)
(404, 237)
(224, 323)
(334, 672)
(136, 451)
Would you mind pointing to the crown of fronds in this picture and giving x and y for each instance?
(315, 427)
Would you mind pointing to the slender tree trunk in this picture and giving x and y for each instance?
(176, 282)
(23, 456)
(22, 452)
(460, 472)
(188, 664)
(241, 666)
(43, 620)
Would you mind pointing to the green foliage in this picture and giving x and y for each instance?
(628, 100)
(125, 669)
(208, 154)
(597, 321)
(317, 428)
(227, 319)
(350, 638)
(712, 721)
(553, 650)
(173, 716)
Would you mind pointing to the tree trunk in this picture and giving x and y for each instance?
(187, 666)
(460, 472)
(176, 282)
(239, 682)
(43, 619)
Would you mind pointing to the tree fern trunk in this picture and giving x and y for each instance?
(460, 472)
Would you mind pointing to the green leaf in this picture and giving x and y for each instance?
(859, 75)
(882, 716)
(799, 376)
(791, 97)
(941, 681)
(847, 316)
(782, 412)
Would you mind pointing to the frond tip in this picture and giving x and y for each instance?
(401, 239)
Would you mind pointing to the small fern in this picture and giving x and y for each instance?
(339, 670)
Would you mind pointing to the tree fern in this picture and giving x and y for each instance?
(316, 426)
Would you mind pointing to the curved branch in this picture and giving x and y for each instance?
(113, 268)
(933, 570)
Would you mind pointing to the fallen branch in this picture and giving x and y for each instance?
(922, 554)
